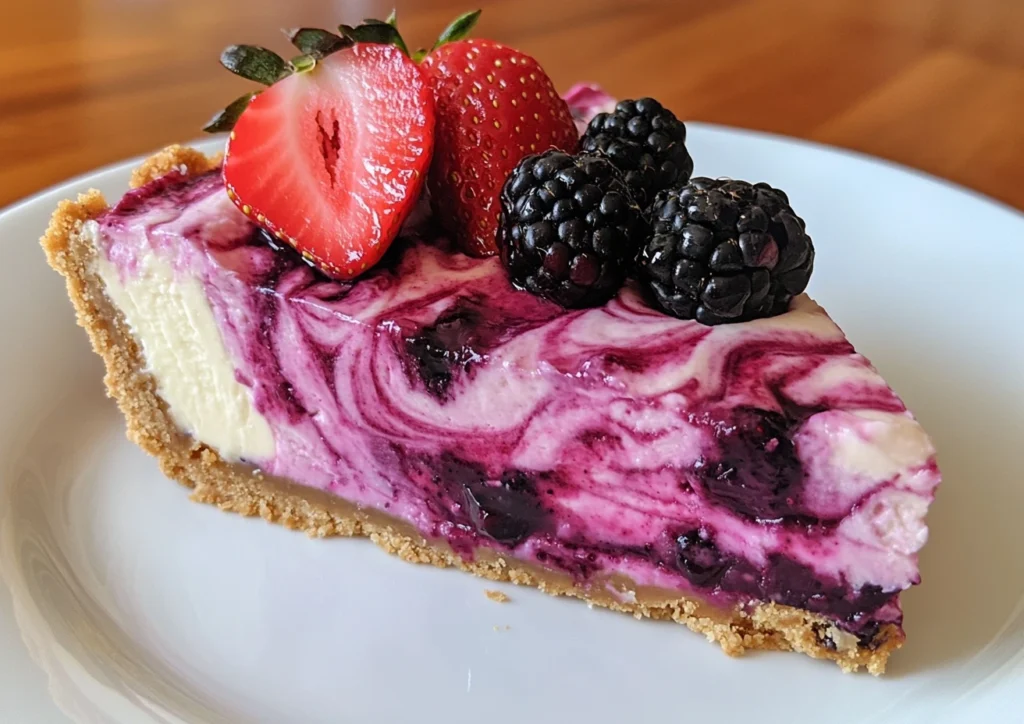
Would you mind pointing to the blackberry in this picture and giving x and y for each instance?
(646, 142)
(725, 251)
(569, 228)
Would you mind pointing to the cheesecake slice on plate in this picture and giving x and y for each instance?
(757, 481)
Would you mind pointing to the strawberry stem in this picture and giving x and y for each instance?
(303, 63)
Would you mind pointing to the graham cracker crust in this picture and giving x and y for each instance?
(240, 489)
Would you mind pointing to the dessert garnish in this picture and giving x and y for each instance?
(331, 158)
(569, 228)
(725, 251)
(495, 105)
(352, 162)
(646, 141)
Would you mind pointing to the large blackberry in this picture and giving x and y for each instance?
(569, 228)
(725, 251)
(647, 143)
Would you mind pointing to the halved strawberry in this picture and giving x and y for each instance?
(332, 157)
(494, 106)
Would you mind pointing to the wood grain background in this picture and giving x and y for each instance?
(935, 84)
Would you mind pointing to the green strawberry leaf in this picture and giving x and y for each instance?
(225, 120)
(255, 63)
(393, 18)
(375, 31)
(315, 42)
(459, 28)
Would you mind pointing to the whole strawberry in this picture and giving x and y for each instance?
(494, 105)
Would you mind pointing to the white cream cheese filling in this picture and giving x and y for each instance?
(169, 315)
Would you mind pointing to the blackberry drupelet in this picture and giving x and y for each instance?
(725, 251)
(569, 228)
(646, 142)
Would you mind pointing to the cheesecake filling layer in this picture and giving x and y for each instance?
(185, 353)
(757, 461)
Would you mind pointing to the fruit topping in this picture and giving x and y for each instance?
(331, 158)
(725, 251)
(646, 141)
(569, 228)
(495, 105)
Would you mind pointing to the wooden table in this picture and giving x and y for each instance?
(936, 84)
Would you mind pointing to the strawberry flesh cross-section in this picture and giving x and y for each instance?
(332, 160)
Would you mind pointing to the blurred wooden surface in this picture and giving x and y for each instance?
(935, 84)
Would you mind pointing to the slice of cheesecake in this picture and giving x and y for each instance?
(758, 482)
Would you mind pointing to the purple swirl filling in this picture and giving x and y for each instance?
(764, 461)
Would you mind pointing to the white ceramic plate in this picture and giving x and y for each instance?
(126, 603)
